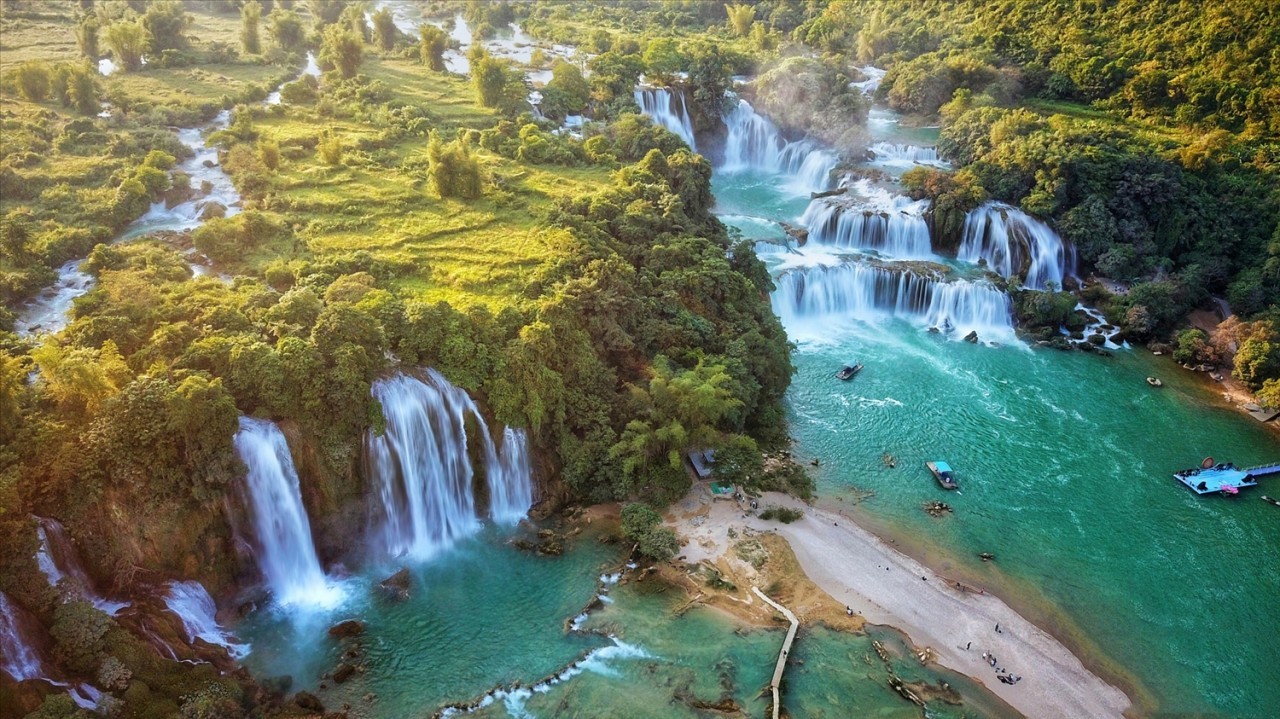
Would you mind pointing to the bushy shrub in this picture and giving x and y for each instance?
(786, 515)
(643, 526)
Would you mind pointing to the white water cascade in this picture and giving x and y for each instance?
(868, 292)
(754, 144)
(191, 602)
(20, 655)
(898, 231)
(60, 563)
(667, 108)
(283, 546)
(897, 155)
(1012, 243)
(425, 498)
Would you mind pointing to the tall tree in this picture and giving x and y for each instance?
(432, 44)
(127, 40)
(165, 21)
(741, 17)
(341, 50)
(87, 37)
(250, 16)
(384, 28)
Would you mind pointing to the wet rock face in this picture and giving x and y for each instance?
(347, 628)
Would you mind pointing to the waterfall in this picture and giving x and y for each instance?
(900, 231)
(60, 563)
(193, 605)
(425, 496)
(755, 144)
(869, 292)
(284, 549)
(667, 108)
(889, 153)
(20, 655)
(1013, 244)
(510, 478)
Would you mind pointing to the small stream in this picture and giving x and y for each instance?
(49, 311)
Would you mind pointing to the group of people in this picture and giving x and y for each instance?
(1001, 673)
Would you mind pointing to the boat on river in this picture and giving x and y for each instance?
(1271, 500)
(944, 474)
(848, 371)
(1223, 477)
(1155, 382)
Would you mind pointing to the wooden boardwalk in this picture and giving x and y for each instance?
(782, 655)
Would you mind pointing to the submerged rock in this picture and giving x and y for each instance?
(308, 701)
(347, 628)
(343, 673)
(396, 586)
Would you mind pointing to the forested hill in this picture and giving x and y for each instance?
(1207, 64)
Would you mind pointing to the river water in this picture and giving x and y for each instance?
(1064, 462)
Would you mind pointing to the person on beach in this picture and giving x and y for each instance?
(966, 646)
(998, 628)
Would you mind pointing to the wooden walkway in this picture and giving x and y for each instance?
(786, 649)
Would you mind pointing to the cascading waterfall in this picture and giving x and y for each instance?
(890, 153)
(1012, 242)
(899, 232)
(20, 656)
(755, 144)
(191, 602)
(667, 108)
(282, 532)
(420, 465)
(510, 474)
(869, 292)
(60, 563)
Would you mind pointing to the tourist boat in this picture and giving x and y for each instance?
(848, 371)
(1271, 500)
(943, 473)
(1223, 477)
(1154, 382)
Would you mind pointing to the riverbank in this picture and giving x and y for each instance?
(884, 586)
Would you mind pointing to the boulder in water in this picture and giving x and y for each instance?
(209, 163)
(212, 210)
(397, 585)
(347, 628)
(343, 672)
(1097, 339)
(308, 701)
(972, 337)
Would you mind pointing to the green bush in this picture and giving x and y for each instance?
(786, 515)
(643, 526)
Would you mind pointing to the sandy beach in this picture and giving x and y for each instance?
(858, 569)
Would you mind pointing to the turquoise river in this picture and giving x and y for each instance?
(1064, 461)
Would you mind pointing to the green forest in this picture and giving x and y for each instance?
(394, 214)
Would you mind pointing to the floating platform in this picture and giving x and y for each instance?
(1224, 478)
